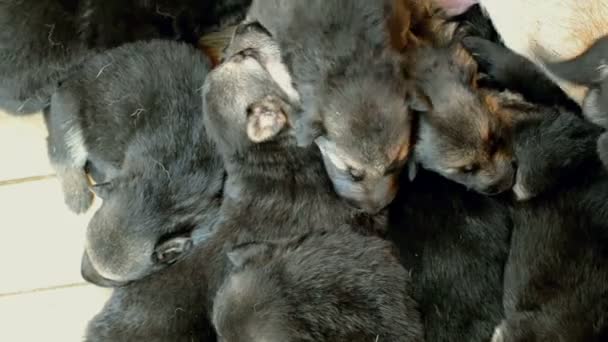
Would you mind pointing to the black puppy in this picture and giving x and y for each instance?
(142, 134)
(275, 190)
(555, 278)
(355, 102)
(456, 244)
(42, 39)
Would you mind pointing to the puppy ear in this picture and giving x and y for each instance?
(102, 190)
(418, 101)
(169, 251)
(265, 119)
(245, 253)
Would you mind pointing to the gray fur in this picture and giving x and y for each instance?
(355, 103)
(275, 190)
(41, 40)
(137, 111)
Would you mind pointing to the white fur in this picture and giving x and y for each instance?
(551, 26)
(75, 144)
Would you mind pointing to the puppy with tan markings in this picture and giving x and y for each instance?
(143, 138)
(555, 278)
(466, 136)
(355, 103)
(278, 203)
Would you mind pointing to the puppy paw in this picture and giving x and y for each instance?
(499, 333)
(595, 107)
(602, 148)
(75, 186)
(490, 57)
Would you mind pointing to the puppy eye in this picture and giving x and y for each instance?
(356, 175)
(469, 168)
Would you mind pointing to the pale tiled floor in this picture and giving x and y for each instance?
(42, 295)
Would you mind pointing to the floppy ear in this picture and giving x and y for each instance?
(265, 119)
(418, 101)
(245, 253)
(102, 190)
(169, 251)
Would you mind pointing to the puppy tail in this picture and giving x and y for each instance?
(589, 68)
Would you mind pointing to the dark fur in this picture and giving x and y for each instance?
(556, 285)
(456, 244)
(504, 69)
(274, 190)
(42, 39)
(465, 137)
(322, 286)
(355, 103)
(136, 110)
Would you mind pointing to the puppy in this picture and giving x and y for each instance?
(143, 137)
(456, 243)
(555, 278)
(554, 29)
(275, 190)
(589, 69)
(272, 293)
(355, 102)
(466, 135)
(42, 40)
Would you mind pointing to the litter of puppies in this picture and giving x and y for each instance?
(326, 170)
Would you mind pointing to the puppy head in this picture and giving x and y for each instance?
(243, 105)
(466, 141)
(146, 224)
(466, 137)
(361, 122)
(549, 149)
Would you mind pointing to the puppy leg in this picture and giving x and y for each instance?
(506, 69)
(67, 152)
(602, 148)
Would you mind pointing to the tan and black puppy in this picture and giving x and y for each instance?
(466, 136)
(356, 105)
(275, 190)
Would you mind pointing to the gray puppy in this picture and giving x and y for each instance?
(466, 136)
(142, 135)
(275, 190)
(41, 40)
(356, 105)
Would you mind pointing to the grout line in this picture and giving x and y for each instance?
(50, 288)
(26, 179)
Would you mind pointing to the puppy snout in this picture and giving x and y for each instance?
(90, 274)
(505, 180)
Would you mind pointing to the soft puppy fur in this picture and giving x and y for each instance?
(456, 243)
(142, 134)
(275, 190)
(355, 102)
(41, 40)
(555, 278)
(272, 292)
(466, 135)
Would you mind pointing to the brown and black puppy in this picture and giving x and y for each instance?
(275, 190)
(555, 278)
(466, 136)
(40, 40)
(355, 102)
(142, 137)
